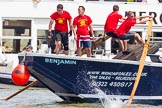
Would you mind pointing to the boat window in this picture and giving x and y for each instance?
(156, 38)
(16, 34)
(16, 27)
(14, 45)
(160, 1)
(42, 38)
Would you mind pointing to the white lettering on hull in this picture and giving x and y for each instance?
(113, 79)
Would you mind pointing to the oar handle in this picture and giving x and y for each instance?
(29, 85)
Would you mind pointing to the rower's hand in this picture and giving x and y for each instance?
(50, 34)
(150, 19)
(75, 37)
(93, 37)
(70, 32)
(150, 16)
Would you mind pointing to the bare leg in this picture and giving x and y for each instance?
(58, 47)
(139, 39)
(121, 45)
(88, 50)
(125, 45)
(79, 51)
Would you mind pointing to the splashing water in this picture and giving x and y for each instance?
(108, 102)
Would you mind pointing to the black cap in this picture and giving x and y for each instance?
(59, 6)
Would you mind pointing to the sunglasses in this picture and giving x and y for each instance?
(59, 9)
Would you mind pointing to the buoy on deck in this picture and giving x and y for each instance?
(20, 75)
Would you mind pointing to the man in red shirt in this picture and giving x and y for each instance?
(61, 28)
(112, 23)
(123, 30)
(83, 23)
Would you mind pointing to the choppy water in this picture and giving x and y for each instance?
(43, 98)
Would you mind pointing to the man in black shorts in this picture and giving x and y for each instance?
(61, 18)
(123, 30)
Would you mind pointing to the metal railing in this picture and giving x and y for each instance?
(156, 40)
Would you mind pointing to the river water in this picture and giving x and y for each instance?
(43, 98)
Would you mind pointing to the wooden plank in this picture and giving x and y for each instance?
(132, 56)
(133, 49)
(136, 53)
(151, 50)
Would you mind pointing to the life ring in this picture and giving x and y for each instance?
(72, 43)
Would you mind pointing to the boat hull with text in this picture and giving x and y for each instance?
(77, 79)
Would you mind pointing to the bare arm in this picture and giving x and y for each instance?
(122, 19)
(50, 28)
(70, 24)
(74, 31)
(141, 17)
(143, 21)
(50, 25)
(91, 30)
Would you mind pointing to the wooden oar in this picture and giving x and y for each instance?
(29, 85)
(142, 62)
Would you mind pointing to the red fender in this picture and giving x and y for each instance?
(20, 75)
